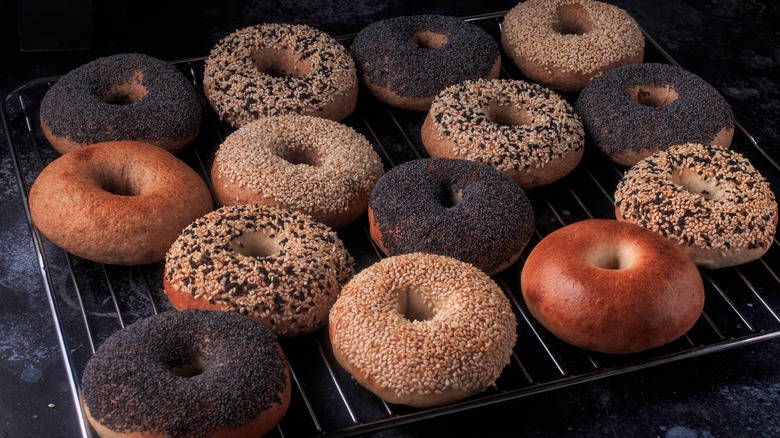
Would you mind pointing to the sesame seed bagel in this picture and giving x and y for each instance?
(633, 111)
(276, 68)
(406, 61)
(121, 97)
(709, 200)
(564, 44)
(276, 266)
(458, 208)
(612, 287)
(317, 166)
(121, 203)
(423, 329)
(193, 373)
(522, 129)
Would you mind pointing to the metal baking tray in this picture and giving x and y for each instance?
(89, 301)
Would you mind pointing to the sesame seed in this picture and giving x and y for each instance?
(241, 93)
(461, 113)
(288, 291)
(340, 166)
(460, 349)
(615, 35)
(700, 196)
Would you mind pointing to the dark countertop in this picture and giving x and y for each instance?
(733, 44)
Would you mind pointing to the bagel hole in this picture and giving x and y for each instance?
(655, 97)
(300, 156)
(572, 19)
(191, 367)
(126, 93)
(507, 115)
(255, 244)
(695, 184)
(412, 306)
(612, 262)
(449, 196)
(280, 63)
(119, 185)
(613, 258)
(428, 40)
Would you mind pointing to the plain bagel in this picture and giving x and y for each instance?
(612, 287)
(120, 203)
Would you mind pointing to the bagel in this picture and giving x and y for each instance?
(423, 329)
(121, 203)
(319, 167)
(273, 69)
(633, 111)
(525, 130)
(458, 208)
(612, 287)
(276, 266)
(190, 373)
(564, 44)
(708, 200)
(406, 61)
(127, 96)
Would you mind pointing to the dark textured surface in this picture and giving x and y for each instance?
(732, 44)
(616, 122)
(79, 106)
(414, 208)
(384, 54)
(130, 384)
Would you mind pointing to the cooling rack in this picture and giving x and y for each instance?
(89, 301)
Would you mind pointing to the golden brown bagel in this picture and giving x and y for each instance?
(120, 203)
(612, 287)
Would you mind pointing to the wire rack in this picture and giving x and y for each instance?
(89, 301)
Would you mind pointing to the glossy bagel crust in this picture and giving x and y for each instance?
(612, 287)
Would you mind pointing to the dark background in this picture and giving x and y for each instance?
(732, 44)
